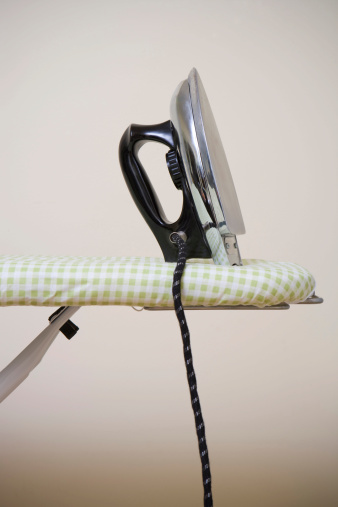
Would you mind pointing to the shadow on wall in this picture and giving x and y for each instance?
(91, 478)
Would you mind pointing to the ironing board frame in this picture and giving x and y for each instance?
(311, 300)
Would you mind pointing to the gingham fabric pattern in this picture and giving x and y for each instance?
(214, 238)
(135, 281)
(217, 247)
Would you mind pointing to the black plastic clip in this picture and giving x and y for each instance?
(69, 329)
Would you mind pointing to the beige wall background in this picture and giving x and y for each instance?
(105, 419)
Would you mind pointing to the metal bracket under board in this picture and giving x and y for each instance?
(312, 300)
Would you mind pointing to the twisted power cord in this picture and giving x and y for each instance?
(195, 401)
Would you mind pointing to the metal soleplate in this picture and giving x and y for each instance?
(215, 173)
(206, 169)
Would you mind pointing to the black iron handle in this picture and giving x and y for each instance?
(136, 177)
(145, 196)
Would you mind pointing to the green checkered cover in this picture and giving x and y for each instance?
(135, 281)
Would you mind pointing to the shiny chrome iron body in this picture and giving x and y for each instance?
(206, 167)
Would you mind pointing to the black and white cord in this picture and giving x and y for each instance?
(195, 402)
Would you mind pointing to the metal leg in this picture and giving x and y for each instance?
(19, 369)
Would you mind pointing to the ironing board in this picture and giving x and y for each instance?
(146, 282)
(72, 282)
